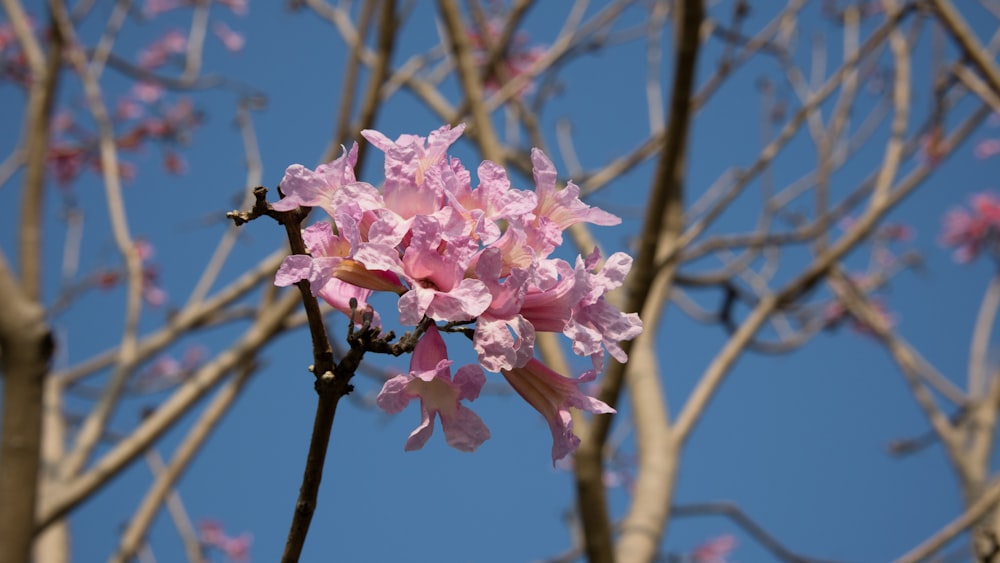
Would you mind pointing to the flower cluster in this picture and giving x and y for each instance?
(973, 230)
(457, 254)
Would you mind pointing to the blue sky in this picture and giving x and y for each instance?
(798, 441)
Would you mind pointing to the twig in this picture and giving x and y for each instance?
(134, 534)
(968, 519)
(748, 524)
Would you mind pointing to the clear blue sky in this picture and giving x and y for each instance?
(798, 441)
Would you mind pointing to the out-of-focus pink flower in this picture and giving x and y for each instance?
(62, 122)
(987, 148)
(235, 548)
(232, 40)
(159, 52)
(970, 231)
(147, 92)
(238, 7)
(897, 232)
(552, 395)
(715, 550)
(153, 8)
(7, 37)
(517, 60)
(128, 108)
(174, 163)
(934, 146)
(430, 381)
(144, 248)
(66, 162)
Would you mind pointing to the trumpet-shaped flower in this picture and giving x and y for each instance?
(572, 301)
(552, 395)
(332, 274)
(412, 180)
(430, 381)
(331, 186)
(562, 207)
(434, 265)
(504, 339)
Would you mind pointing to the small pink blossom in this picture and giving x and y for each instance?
(174, 163)
(987, 148)
(235, 548)
(238, 7)
(232, 40)
(430, 381)
(518, 58)
(153, 8)
(552, 395)
(970, 231)
(147, 92)
(934, 146)
(159, 52)
(715, 550)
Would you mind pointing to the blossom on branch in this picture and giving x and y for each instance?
(552, 395)
(430, 381)
(970, 231)
(478, 257)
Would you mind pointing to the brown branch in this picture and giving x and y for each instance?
(748, 524)
(969, 518)
(134, 535)
(25, 338)
(270, 321)
(371, 102)
(45, 79)
(647, 519)
(471, 81)
(27, 348)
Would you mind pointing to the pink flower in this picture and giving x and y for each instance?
(174, 163)
(492, 202)
(235, 548)
(332, 274)
(970, 231)
(147, 92)
(562, 207)
(934, 146)
(552, 395)
(430, 380)
(433, 264)
(715, 550)
(413, 185)
(504, 339)
(173, 42)
(572, 302)
(153, 8)
(238, 7)
(232, 40)
(518, 57)
(331, 186)
(987, 148)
